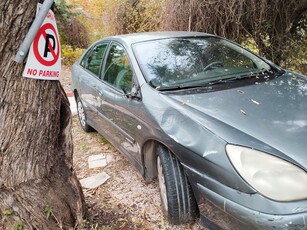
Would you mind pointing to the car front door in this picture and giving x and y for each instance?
(116, 107)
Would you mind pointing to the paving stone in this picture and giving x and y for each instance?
(95, 180)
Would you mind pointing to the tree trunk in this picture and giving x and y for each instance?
(38, 187)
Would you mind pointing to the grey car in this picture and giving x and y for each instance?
(223, 130)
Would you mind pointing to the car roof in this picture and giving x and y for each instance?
(148, 36)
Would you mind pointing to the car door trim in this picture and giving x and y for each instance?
(127, 136)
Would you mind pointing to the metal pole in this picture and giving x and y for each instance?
(38, 21)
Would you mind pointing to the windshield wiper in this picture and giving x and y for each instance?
(175, 87)
(191, 86)
(170, 87)
(226, 80)
(264, 74)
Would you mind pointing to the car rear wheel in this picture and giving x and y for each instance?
(177, 198)
(82, 116)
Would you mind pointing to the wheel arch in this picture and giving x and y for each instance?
(149, 159)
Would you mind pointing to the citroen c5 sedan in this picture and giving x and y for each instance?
(223, 129)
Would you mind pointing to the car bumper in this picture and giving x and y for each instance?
(222, 207)
(218, 212)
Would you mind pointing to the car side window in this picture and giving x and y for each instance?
(118, 71)
(92, 60)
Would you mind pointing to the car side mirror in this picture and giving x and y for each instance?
(134, 94)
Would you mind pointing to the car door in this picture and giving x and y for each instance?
(116, 107)
(89, 81)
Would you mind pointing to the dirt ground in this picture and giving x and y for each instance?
(125, 201)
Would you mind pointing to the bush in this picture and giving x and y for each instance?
(70, 54)
(297, 59)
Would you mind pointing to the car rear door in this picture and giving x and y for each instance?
(89, 81)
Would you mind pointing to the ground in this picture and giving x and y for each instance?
(125, 201)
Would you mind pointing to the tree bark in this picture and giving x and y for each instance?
(38, 187)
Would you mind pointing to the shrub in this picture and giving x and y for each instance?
(70, 54)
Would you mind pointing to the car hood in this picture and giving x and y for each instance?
(272, 112)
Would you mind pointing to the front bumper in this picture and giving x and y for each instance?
(222, 207)
(219, 212)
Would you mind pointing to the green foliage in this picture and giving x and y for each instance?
(64, 10)
(145, 15)
(102, 18)
(72, 30)
(250, 44)
(48, 210)
(70, 54)
(84, 146)
(19, 226)
(6, 215)
(50, 213)
(7, 212)
(103, 140)
(297, 59)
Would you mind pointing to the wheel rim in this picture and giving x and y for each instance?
(81, 114)
(162, 185)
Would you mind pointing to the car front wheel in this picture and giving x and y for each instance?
(177, 199)
(82, 116)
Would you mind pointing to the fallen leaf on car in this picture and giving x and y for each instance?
(242, 111)
(255, 102)
(184, 102)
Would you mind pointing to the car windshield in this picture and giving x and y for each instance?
(191, 62)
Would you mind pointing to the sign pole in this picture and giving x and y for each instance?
(25, 46)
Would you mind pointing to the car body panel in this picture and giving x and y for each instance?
(246, 109)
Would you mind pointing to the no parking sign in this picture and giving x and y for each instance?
(44, 59)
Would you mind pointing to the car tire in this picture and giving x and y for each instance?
(82, 116)
(177, 198)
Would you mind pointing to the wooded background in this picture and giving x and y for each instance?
(274, 29)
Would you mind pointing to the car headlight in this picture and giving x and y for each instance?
(271, 176)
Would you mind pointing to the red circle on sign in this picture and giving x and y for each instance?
(42, 32)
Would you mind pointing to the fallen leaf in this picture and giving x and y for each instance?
(242, 111)
(255, 102)
(122, 220)
(123, 225)
(184, 102)
(143, 214)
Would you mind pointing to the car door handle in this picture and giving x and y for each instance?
(100, 93)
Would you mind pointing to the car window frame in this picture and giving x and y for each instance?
(134, 81)
(87, 54)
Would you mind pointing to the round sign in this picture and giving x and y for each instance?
(49, 53)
